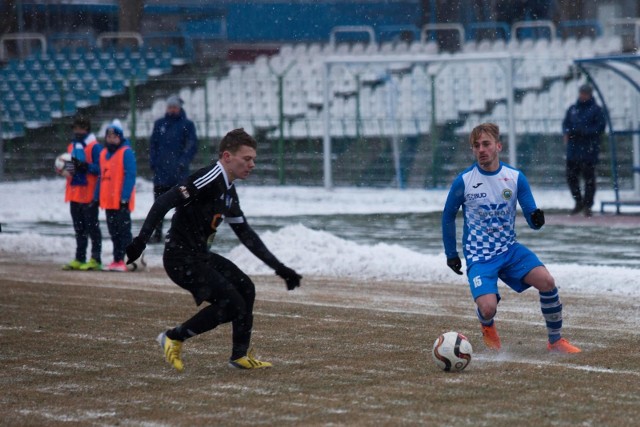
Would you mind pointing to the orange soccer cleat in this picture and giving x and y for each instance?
(490, 337)
(562, 346)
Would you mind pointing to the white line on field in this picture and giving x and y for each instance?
(517, 359)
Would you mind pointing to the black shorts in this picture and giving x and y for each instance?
(209, 277)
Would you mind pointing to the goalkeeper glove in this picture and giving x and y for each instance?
(537, 218)
(455, 264)
(70, 168)
(79, 165)
(289, 275)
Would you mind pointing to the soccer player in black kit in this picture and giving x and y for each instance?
(201, 203)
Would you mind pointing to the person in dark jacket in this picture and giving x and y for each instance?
(172, 147)
(582, 127)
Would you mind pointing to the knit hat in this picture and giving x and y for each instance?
(586, 88)
(116, 127)
(174, 101)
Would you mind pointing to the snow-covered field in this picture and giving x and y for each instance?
(312, 252)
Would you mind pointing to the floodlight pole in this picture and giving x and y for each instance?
(636, 145)
(280, 77)
(326, 142)
(511, 115)
(132, 106)
(1, 146)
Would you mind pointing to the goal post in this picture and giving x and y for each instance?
(505, 60)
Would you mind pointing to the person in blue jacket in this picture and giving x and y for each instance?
(172, 147)
(116, 190)
(582, 127)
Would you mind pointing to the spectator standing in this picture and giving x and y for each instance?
(172, 147)
(116, 190)
(582, 127)
(84, 170)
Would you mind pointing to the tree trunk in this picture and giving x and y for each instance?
(9, 17)
(129, 18)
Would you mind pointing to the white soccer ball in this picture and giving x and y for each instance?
(61, 160)
(452, 352)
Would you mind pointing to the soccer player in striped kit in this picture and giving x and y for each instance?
(206, 199)
(488, 192)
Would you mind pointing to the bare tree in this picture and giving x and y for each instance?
(130, 15)
(9, 17)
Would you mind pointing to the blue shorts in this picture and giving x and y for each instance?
(511, 267)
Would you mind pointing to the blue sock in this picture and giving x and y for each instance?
(552, 311)
(482, 320)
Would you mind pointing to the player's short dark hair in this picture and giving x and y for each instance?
(488, 128)
(235, 139)
(82, 122)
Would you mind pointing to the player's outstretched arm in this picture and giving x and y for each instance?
(252, 241)
(162, 205)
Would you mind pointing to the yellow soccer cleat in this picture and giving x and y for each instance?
(562, 346)
(172, 349)
(73, 265)
(92, 265)
(490, 337)
(249, 362)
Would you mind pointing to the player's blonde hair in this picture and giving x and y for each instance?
(488, 128)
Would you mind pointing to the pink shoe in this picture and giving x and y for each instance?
(117, 266)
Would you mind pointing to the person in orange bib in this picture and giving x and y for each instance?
(116, 191)
(84, 170)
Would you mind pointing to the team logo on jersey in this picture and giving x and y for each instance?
(184, 192)
(475, 196)
(477, 185)
(507, 194)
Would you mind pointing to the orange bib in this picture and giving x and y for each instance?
(112, 180)
(82, 193)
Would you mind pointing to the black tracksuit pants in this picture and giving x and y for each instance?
(119, 225)
(230, 292)
(586, 170)
(86, 226)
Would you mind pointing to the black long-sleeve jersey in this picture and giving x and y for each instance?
(202, 203)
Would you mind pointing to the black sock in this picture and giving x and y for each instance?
(204, 320)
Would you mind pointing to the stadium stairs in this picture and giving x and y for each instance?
(30, 146)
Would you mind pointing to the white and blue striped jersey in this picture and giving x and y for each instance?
(488, 201)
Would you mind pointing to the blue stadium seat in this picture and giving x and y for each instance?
(4, 87)
(62, 108)
(49, 88)
(95, 67)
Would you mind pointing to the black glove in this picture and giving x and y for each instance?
(70, 167)
(290, 277)
(135, 249)
(80, 165)
(124, 206)
(455, 264)
(537, 218)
